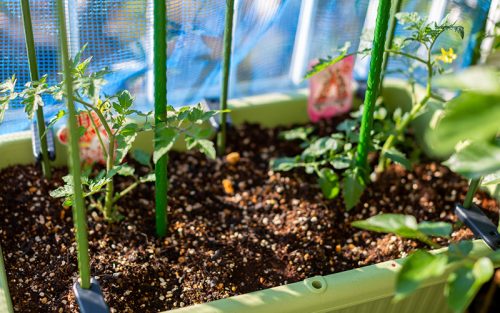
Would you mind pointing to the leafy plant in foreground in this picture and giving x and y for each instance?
(423, 37)
(466, 271)
(406, 226)
(469, 125)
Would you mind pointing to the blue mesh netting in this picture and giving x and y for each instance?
(274, 42)
(469, 14)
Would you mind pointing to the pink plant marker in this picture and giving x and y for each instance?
(90, 147)
(331, 91)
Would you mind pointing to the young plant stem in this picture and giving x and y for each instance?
(79, 214)
(40, 120)
(110, 163)
(373, 82)
(473, 186)
(125, 191)
(407, 119)
(108, 153)
(228, 39)
(98, 133)
(160, 94)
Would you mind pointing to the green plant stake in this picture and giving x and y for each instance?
(160, 83)
(473, 186)
(79, 215)
(40, 120)
(228, 39)
(373, 83)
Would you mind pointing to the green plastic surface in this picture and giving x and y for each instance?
(364, 290)
(5, 302)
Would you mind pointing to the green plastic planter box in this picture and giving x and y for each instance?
(366, 289)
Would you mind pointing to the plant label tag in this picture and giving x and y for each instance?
(90, 147)
(330, 91)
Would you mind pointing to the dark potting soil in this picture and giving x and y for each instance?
(274, 229)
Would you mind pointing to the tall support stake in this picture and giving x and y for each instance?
(160, 93)
(79, 214)
(473, 187)
(226, 66)
(40, 120)
(373, 83)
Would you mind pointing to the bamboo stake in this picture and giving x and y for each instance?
(79, 214)
(160, 94)
(40, 120)
(226, 66)
(373, 83)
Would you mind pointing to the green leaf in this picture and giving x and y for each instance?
(417, 268)
(202, 132)
(148, 178)
(125, 100)
(164, 141)
(7, 94)
(409, 18)
(60, 114)
(353, 188)
(476, 160)
(329, 183)
(68, 202)
(32, 95)
(207, 147)
(398, 157)
(325, 63)
(321, 146)
(124, 141)
(283, 164)
(435, 229)
(300, 133)
(195, 114)
(340, 162)
(95, 185)
(465, 282)
(495, 257)
(405, 226)
(477, 79)
(402, 225)
(62, 192)
(81, 131)
(142, 157)
(126, 170)
(459, 251)
(491, 179)
(470, 116)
